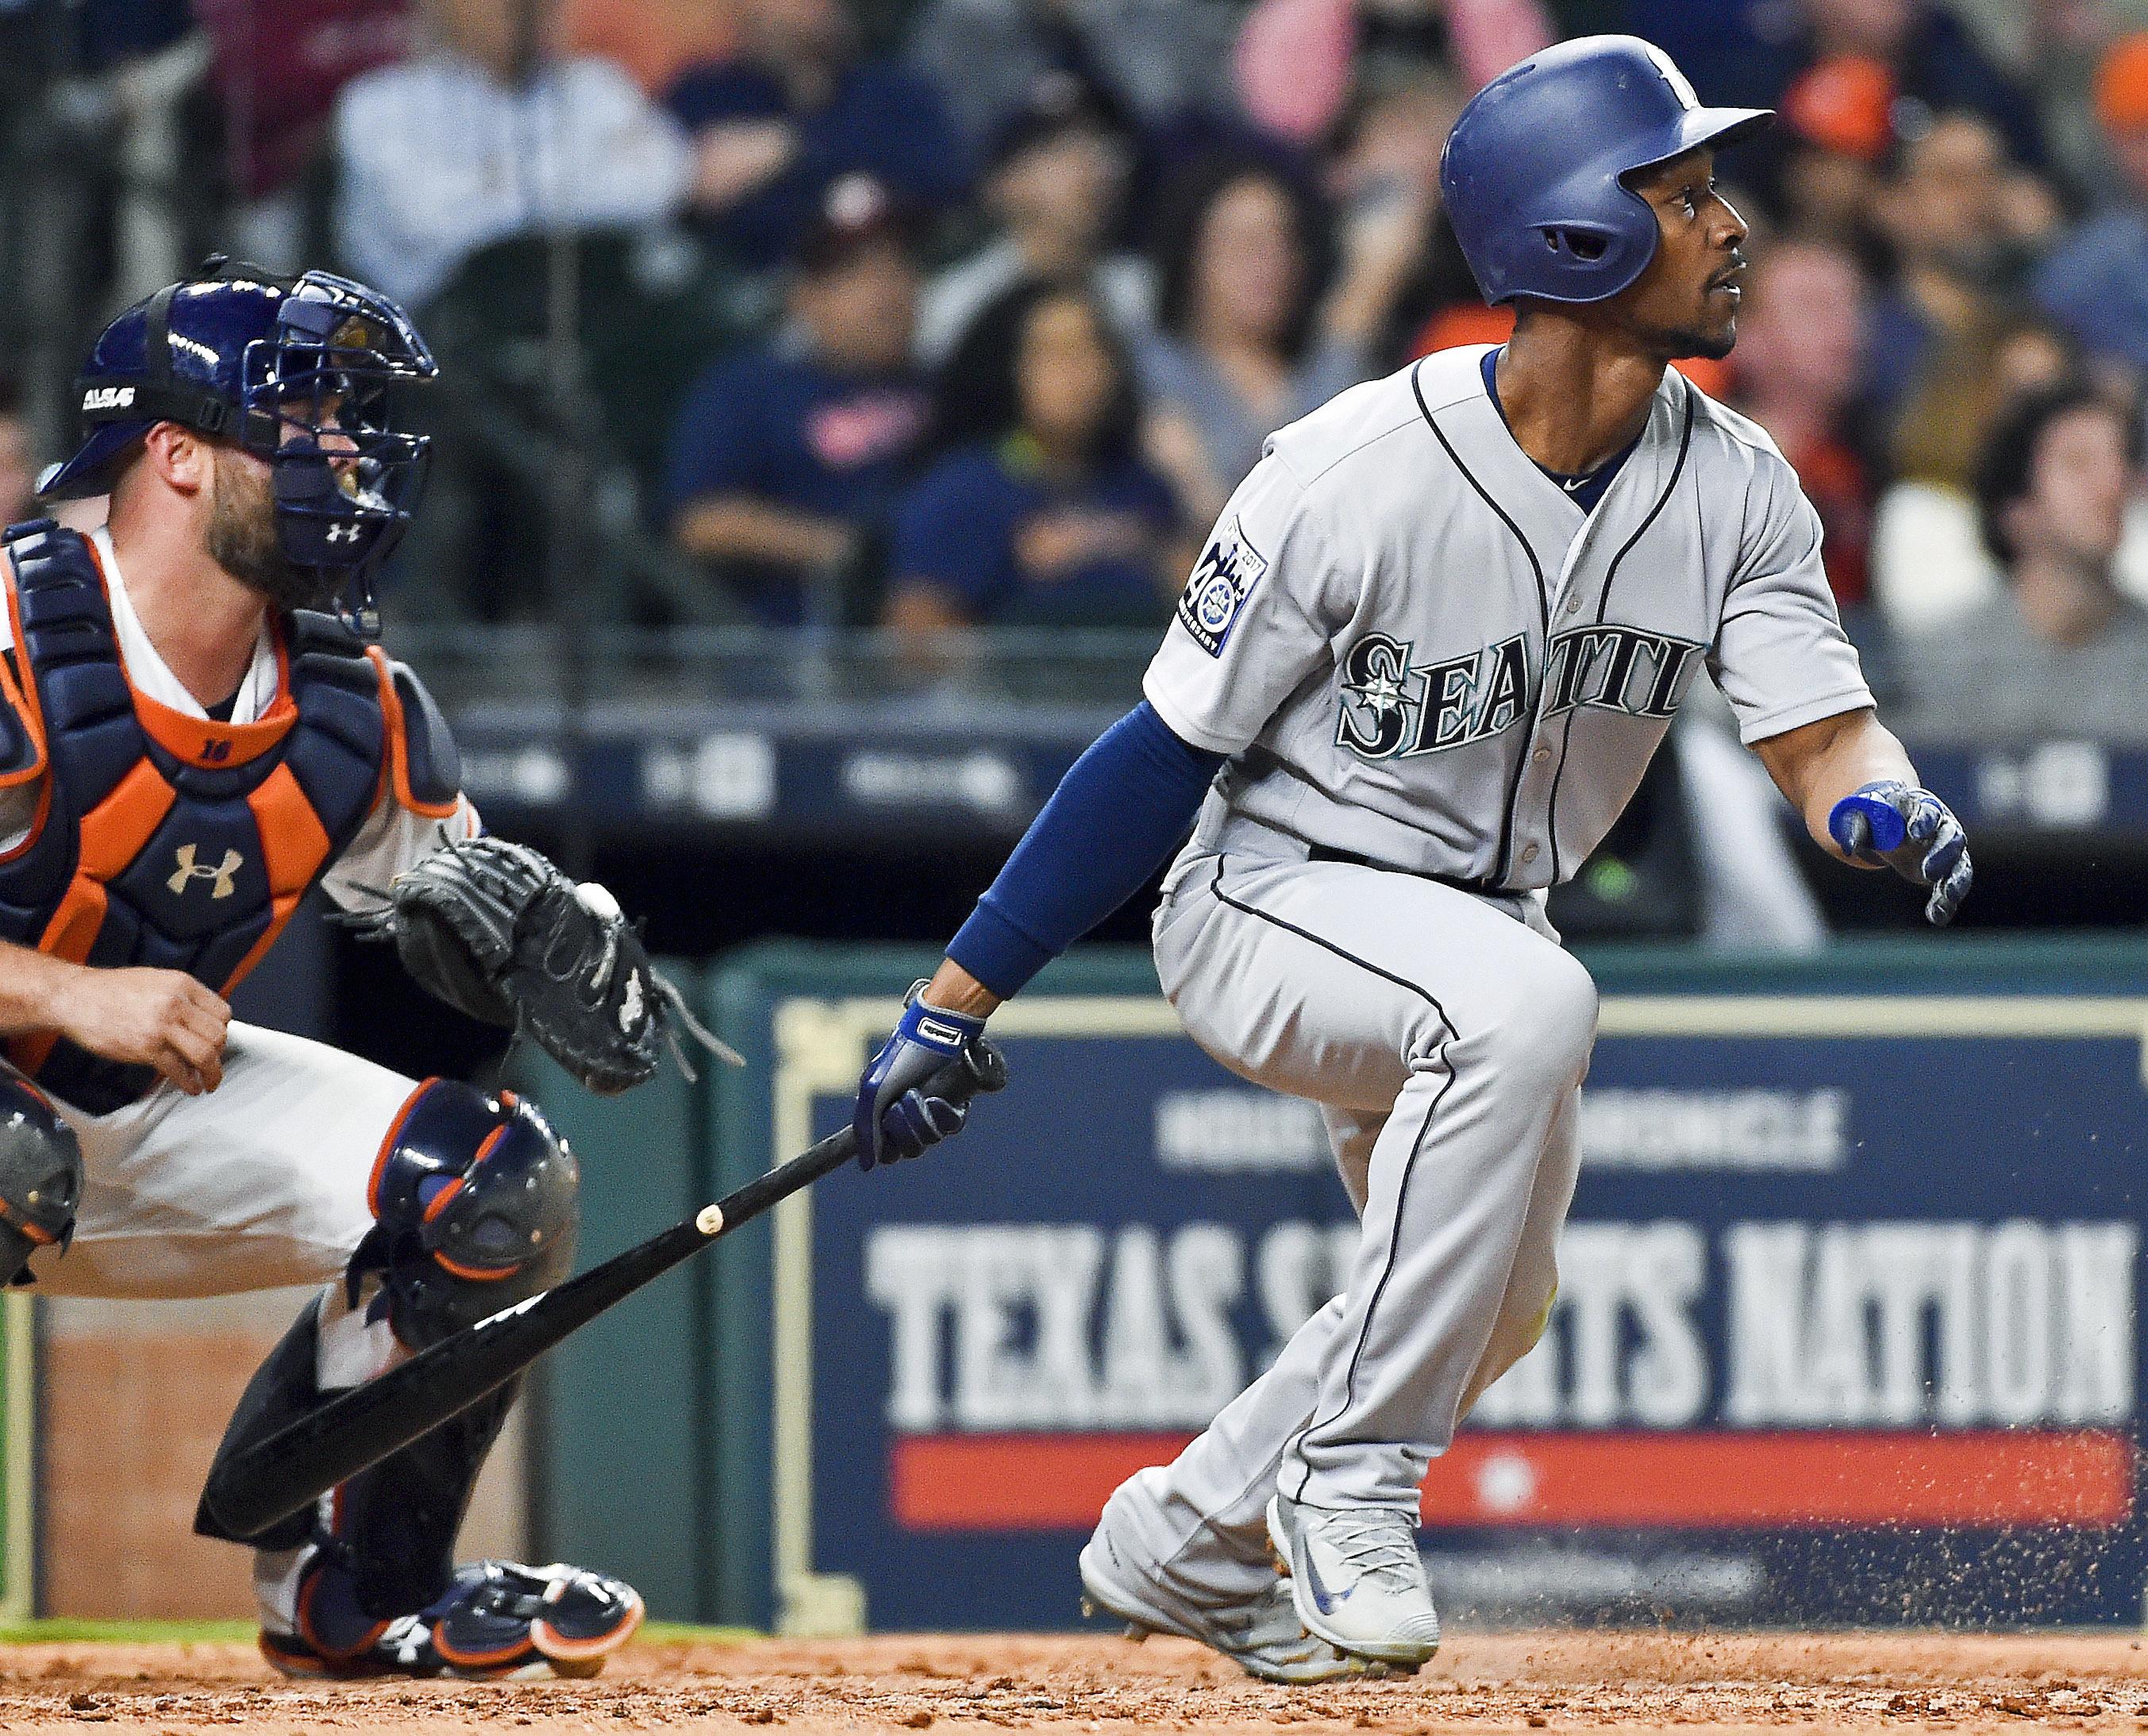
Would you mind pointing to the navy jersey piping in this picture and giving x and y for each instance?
(1603, 608)
(1544, 611)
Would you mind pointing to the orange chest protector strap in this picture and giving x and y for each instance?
(167, 840)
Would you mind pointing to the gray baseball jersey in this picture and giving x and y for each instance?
(1421, 651)
(1422, 654)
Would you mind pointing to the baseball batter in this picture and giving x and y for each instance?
(1420, 668)
(189, 742)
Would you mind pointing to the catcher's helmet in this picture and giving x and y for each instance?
(297, 371)
(1535, 172)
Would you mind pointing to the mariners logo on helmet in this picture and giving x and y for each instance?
(1681, 86)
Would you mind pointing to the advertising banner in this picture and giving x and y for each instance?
(1846, 1329)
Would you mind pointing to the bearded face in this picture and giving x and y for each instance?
(244, 541)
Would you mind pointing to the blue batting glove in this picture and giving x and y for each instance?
(894, 1119)
(1911, 831)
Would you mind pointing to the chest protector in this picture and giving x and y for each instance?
(162, 838)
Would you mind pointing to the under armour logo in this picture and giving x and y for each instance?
(221, 874)
(342, 532)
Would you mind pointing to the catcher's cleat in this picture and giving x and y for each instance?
(499, 1618)
(1261, 1634)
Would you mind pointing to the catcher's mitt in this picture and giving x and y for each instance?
(494, 928)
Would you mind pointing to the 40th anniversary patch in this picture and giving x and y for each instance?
(1222, 579)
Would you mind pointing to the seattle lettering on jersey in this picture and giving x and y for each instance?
(1617, 669)
(1391, 710)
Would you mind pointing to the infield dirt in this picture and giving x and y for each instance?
(1480, 1683)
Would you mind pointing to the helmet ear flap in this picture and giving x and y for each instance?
(1612, 255)
(1582, 242)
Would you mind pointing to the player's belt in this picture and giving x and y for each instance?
(1478, 888)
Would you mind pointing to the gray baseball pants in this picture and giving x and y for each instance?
(1445, 1036)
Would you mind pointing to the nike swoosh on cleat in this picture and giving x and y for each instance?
(1322, 1600)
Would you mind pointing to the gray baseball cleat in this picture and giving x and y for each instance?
(1262, 1634)
(1356, 1579)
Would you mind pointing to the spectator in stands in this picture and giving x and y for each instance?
(654, 42)
(1753, 50)
(786, 461)
(1964, 223)
(799, 108)
(1832, 147)
(1251, 334)
(1160, 62)
(1937, 65)
(1930, 565)
(2095, 284)
(1301, 64)
(2063, 57)
(1055, 520)
(2062, 651)
(1800, 367)
(1058, 169)
(489, 133)
(277, 66)
(1380, 176)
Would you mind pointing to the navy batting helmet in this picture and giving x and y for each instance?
(295, 370)
(1535, 172)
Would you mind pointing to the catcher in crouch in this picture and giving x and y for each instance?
(195, 732)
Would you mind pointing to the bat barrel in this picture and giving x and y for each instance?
(254, 1486)
(272, 1478)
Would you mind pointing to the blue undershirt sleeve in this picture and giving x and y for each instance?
(1121, 808)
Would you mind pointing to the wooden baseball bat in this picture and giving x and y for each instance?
(261, 1482)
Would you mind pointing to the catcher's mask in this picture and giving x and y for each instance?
(298, 371)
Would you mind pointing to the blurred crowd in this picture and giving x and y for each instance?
(926, 313)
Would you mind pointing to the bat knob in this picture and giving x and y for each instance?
(1885, 828)
(987, 1067)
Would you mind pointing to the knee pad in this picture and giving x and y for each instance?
(40, 1175)
(474, 1203)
